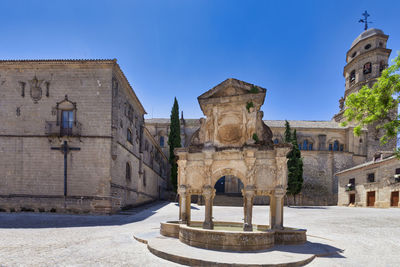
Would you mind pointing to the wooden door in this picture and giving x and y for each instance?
(394, 199)
(371, 199)
(352, 199)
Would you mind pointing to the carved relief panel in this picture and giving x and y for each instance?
(35, 90)
(230, 128)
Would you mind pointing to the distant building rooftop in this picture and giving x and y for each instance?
(270, 123)
(369, 163)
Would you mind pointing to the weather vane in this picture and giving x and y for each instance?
(365, 20)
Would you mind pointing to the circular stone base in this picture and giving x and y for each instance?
(230, 236)
(280, 255)
(226, 240)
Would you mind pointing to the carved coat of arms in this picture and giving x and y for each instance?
(36, 90)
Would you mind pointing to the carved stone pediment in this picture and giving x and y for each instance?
(232, 87)
(233, 116)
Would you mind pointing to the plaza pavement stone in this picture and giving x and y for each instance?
(367, 236)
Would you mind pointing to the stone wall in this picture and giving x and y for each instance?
(105, 107)
(32, 174)
(142, 153)
(385, 183)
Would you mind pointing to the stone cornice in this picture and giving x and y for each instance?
(365, 55)
(126, 84)
(356, 45)
(35, 63)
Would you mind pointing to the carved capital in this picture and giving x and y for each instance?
(279, 192)
(281, 150)
(183, 189)
(249, 191)
(208, 191)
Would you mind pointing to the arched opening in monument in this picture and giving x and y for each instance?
(228, 191)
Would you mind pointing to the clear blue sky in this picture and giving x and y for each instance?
(295, 49)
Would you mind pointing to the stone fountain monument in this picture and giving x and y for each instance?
(233, 140)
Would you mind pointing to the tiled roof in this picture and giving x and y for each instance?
(55, 60)
(157, 120)
(372, 162)
(271, 123)
(304, 124)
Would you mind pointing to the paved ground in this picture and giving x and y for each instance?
(369, 237)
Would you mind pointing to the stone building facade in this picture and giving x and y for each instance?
(373, 184)
(72, 139)
(326, 146)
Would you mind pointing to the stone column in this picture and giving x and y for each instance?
(183, 192)
(187, 207)
(208, 194)
(248, 195)
(272, 208)
(278, 196)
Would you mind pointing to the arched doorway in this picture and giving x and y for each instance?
(228, 191)
(220, 186)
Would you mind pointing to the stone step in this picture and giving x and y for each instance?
(226, 200)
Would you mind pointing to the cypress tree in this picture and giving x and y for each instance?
(174, 141)
(288, 134)
(295, 164)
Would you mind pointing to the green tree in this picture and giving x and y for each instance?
(288, 134)
(295, 164)
(174, 141)
(377, 105)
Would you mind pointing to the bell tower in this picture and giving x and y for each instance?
(365, 60)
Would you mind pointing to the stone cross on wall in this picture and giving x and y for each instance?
(65, 148)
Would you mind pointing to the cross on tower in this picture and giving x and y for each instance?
(65, 148)
(365, 20)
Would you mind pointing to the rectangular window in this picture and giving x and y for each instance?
(336, 146)
(67, 121)
(371, 177)
(129, 136)
(310, 147)
(341, 147)
(161, 141)
(352, 77)
(367, 68)
(398, 171)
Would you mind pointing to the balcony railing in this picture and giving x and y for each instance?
(53, 128)
(350, 187)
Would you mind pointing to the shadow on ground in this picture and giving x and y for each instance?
(51, 220)
(318, 249)
(307, 207)
(191, 207)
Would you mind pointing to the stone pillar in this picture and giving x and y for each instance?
(272, 208)
(183, 192)
(208, 194)
(187, 207)
(278, 196)
(248, 195)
